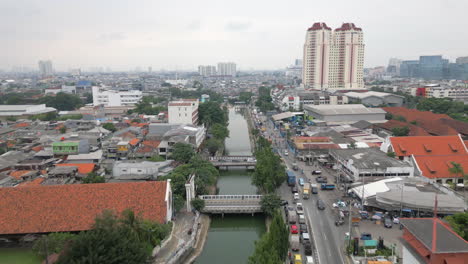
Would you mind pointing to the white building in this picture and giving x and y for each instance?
(296, 102)
(106, 97)
(207, 71)
(23, 111)
(454, 92)
(333, 60)
(184, 111)
(45, 68)
(227, 69)
(70, 89)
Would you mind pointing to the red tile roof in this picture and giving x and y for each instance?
(437, 167)
(18, 173)
(134, 141)
(21, 125)
(73, 207)
(145, 149)
(151, 143)
(37, 148)
(428, 145)
(34, 182)
(83, 168)
(414, 130)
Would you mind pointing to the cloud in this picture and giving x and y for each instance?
(194, 25)
(238, 25)
(113, 36)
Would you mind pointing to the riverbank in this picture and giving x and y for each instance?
(205, 221)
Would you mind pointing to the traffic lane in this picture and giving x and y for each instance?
(321, 222)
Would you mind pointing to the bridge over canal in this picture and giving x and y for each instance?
(233, 161)
(232, 204)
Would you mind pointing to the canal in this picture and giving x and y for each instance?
(231, 239)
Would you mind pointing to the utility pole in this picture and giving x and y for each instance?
(350, 226)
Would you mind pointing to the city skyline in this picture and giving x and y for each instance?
(146, 35)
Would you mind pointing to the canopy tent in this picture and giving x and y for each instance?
(371, 189)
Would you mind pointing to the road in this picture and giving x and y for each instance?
(329, 239)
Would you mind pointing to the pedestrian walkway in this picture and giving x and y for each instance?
(179, 237)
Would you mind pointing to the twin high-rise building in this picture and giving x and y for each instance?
(333, 59)
(224, 69)
(45, 68)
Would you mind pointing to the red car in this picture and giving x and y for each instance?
(294, 229)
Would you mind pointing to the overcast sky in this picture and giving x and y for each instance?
(256, 34)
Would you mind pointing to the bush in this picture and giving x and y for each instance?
(198, 204)
(53, 242)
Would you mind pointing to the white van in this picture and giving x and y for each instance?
(305, 238)
(301, 219)
(309, 260)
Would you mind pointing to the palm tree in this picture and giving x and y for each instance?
(457, 169)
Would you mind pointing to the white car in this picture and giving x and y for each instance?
(299, 208)
(286, 153)
(309, 260)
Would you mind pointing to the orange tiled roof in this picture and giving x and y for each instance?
(139, 124)
(37, 148)
(134, 141)
(83, 168)
(145, 149)
(73, 207)
(34, 182)
(414, 114)
(151, 143)
(21, 125)
(428, 145)
(18, 173)
(437, 167)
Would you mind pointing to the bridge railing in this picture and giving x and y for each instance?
(229, 158)
(231, 197)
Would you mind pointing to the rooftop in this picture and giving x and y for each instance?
(83, 168)
(369, 94)
(368, 158)
(349, 109)
(73, 207)
(437, 167)
(447, 241)
(428, 145)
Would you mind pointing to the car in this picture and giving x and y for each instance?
(339, 221)
(305, 238)
(284, 202)
(294, 189)
(297, 259)
(301, 181)
(287, 209)
(301, 219)
(286, 153)
(316, 172)
(294, 229)
(309, 260)
(303, 228)
(388, 223)
(295, 167)
(308, 249)
(296, 197)
(366, 236)
(299, 208)
(320, 204)
(321, 179)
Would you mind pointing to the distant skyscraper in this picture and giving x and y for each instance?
(333, 60)
(45, 68)
(227, 69)
(207, 70)
(298, 63)
(462, 60)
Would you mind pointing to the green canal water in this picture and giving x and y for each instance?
(231, 239)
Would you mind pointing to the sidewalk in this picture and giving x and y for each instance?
(182, 224)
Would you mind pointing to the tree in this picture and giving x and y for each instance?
(391, 154)
(51, 243)
(219, 131)
(269, 172)
(245, 97)
(62, 101)
(198, 204)
(63, 129)
(459, 224)
(352, 145)
(400, 131)
(270, 203)
(213, 145)
(114, 239)
(93, 178)
(182, 152)
(211, 113)
(110, 127)
(400, 118)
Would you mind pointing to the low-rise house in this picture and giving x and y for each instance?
(92, 157)
(70, 147)
(432, 241)
(368, 164)
(74, 207)
(34, 164)
(404, 147)
(82, 168)
(140, 171)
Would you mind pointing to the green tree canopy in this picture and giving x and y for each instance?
(211, 113)
(459, 224)
(93, 178)
(109, 126)
(219, 131)
(270, 203)
(182, 152)
(62, 101)
(400, 131)
(213, 145)
(198, 204)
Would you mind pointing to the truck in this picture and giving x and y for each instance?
(292, 217)
(291, 178)
(294, 242)
(328, 187)
(314, 188)
(306, 190)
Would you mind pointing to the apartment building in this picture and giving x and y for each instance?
(108, 97)
(184, 111)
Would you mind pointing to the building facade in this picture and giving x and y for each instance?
(227, 69)
(184, 111)
(106, 97)
(207, 71)
(45, 68)
(333, 60)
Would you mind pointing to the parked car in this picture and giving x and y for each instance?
(303, 228)
(294, 229)
(309, 260)
(294, 189)
(366, 236)
(299, 208)
(284, 202)
(321, 179)
(308, 249)
(301, 181)
(316, 172)
(286, 153)
(388, 223)
(294, 166)
(320, 204)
